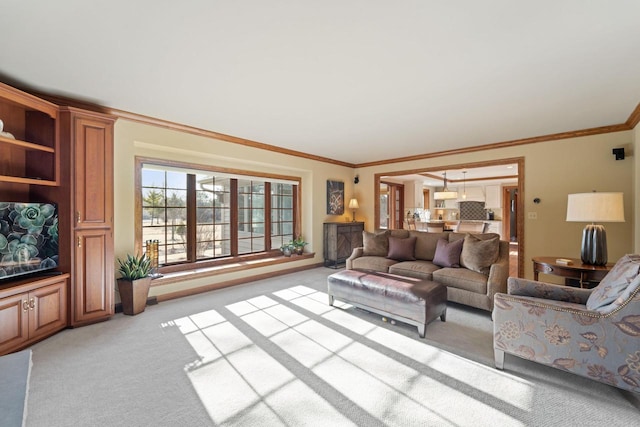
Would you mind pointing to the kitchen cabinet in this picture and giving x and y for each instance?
(495, 227)
(493, 197)
(473, 194)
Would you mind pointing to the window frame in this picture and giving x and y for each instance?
(140, 161)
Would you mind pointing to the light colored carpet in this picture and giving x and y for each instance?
(274, 353)
(15, 369)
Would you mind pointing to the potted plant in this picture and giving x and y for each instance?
(134, 283)
(299, 244)
(287, 249)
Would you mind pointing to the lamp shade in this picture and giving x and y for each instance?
(595, 207)
(353, 204)
(445, 195)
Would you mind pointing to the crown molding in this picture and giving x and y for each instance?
(631, 123)
(634, 117)
(513, 143)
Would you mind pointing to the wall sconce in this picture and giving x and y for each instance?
(353, 205)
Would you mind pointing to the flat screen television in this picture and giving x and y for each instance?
(28, 238)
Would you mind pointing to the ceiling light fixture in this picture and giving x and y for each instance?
(445, 194)
(464, 183)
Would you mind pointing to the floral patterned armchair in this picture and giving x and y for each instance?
(590, 332)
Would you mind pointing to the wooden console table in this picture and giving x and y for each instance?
(584, 274)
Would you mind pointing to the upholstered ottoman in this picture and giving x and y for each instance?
(413, 301)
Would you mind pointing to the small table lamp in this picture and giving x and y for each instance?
(595, 207)
(353, 204)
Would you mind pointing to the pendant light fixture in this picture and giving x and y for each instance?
(445, 194)
(464, 183)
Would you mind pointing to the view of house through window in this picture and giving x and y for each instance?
(198, 215)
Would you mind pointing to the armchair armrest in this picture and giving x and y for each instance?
(357, 253)
(548, 291)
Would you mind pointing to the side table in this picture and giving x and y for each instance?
(586, 275)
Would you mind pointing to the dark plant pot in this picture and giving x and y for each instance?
(133, 295)
(299, 250)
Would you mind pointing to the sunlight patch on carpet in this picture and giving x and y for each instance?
(499, 384)
(382, 386)
(241, 384)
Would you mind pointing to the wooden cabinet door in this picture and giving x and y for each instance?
(48, 309)
(347, 239)
(93, 276)
(14, 321)
(93, 172)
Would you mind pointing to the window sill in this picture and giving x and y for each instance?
(179, 276)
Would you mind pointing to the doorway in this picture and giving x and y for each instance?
(510, 209)
(512, 203)
(391, 199)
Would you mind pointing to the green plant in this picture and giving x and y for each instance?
(134, 267)
(289, 246)
(299, 242)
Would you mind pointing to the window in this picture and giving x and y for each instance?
(206, 216)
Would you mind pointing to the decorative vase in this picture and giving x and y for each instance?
(286, 251)
(133, 295)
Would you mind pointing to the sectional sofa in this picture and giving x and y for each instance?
(473, 267)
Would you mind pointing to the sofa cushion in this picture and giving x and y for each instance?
(479, 252)
(401, 249)
(400, 233)
(615, 283)
(419, 269)
(375, 244)
(448, 254)
(426, 244)
(374, 263)
(462, 278)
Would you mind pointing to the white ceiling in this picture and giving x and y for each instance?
(351, 80)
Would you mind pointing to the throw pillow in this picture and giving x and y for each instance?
(401, 249)
(448, 254)
(478, 254)
(615, 283)
(375, 244)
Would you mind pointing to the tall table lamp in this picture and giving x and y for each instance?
(353, 205)
(595, 207)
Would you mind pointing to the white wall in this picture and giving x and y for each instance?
(552, 170)
(136, 139)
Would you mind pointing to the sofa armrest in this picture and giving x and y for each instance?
(499, 272)
(357, 253)
(549, 291)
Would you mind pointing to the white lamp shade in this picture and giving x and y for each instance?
(595, 207)
(353, 204)
(445, 195)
